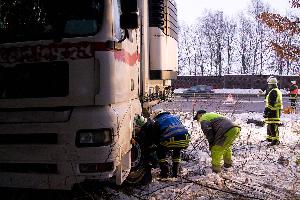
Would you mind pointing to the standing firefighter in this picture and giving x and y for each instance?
(169, 134)
(272, 111)
(293, 95)
(220, 133)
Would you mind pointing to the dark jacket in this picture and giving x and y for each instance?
(215, 127)
(293, 91)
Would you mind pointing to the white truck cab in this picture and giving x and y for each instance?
(73, 75)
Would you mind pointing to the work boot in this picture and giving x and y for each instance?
(216, 168)
(147, 177)
(275, 142)
(227, 165)
(175, 169)
(164, 170)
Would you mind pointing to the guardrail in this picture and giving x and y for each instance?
(216, 95)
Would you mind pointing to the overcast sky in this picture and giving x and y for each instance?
(189, 10)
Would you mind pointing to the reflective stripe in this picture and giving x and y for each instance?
(175, 132)
(162, 160)
(272, 122)
(165, 143)
(187, 137)
(178, 160)
(273, 138)
(272, 119)
(179, 143)
(293, 97)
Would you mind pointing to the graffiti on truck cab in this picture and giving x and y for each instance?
(62, 51)
(127, 58)
(54, 51)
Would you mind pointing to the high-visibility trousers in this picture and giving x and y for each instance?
(220, 153)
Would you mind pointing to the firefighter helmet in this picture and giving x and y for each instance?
(272, 80)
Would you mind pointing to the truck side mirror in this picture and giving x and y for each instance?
(129, 6)
(129, 21)
(129, 18)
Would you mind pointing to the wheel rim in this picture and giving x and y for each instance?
(137, 170)
(136, 155)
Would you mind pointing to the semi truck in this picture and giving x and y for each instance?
(73, 77)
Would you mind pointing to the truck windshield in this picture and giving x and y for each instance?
(24, 20)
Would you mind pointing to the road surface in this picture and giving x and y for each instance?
(221, 103)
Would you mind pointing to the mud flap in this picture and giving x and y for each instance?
(123, 169)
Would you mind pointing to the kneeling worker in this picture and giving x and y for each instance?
(220, 133)
(169, 134)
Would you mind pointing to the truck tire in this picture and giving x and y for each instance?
(139, 173)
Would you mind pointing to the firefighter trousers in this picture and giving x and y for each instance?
(174, 144)
(224, 153)
(273, 132)
(293, 103)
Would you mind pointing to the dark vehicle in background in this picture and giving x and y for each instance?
(199, 89)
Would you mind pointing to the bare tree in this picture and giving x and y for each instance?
(185, 57)
(199, 50)
(245, 37)
(230, 33)
(287, 48)
(218, 45)
(214, 32)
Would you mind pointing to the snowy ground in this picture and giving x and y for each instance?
(260, 171)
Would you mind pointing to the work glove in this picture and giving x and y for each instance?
(266, 112)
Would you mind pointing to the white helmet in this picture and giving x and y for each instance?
(272, 80)
(139, 120)
(293, 82)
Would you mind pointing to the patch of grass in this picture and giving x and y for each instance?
(298, 161)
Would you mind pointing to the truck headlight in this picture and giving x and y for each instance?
(94, 137)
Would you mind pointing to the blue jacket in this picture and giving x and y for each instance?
(169, 126)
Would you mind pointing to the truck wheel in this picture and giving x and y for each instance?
(138, 174)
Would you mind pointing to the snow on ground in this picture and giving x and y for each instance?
(232, 91)
(260, 171)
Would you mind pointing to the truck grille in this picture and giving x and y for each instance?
(33, 138)
(34, 80)
(40, 168)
